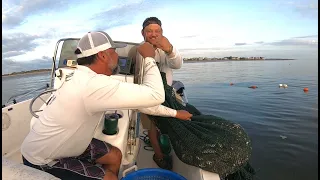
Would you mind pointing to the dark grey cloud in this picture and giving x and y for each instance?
(123, 14)
(240, 44)
(24, 8)
(17, 44)
(7, 55)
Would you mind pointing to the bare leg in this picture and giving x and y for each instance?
(111, 161)
(153, 136)
(110, 176)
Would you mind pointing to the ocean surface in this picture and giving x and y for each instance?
(282, 123)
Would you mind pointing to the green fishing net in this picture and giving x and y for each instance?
(207, 141)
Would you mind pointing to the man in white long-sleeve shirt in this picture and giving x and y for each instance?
(61, 141)
(167, 58)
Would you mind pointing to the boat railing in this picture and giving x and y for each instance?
(14, 99)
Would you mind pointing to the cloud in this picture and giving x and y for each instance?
(123, 14)
(262, 51)
(307, 8)
(189, 36)
(297, 41)
(47, 21)
(240, 44)
(311, 36)
(18, 13)
(310, 6)
(17, 44)
(305, 42)
(296, 47)
(200, 49)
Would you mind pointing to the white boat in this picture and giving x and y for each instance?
(18, 116)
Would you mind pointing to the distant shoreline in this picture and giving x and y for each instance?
(26, 72)
(224, 60)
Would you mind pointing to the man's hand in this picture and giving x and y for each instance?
(146, 50)
(183, 115)
(164, 44)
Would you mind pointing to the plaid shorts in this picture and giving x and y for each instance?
(83, 165)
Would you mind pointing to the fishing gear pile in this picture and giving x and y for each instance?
(207, 141)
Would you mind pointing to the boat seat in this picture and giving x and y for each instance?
(15, 171)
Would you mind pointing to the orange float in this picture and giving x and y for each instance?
(305, 89)
(231, 84)
(253, 87)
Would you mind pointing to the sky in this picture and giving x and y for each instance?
(197, 28)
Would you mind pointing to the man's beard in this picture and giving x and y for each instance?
(116, 70)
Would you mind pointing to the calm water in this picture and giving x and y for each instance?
(282, 123)
(14, 85)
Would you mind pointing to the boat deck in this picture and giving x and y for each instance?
(15, 156)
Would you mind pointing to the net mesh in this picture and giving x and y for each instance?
(207, 141)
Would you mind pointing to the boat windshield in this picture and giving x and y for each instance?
(67, 52)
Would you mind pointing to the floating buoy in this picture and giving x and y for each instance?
(283, 137)
(231, 84)
(305, 89)
(253, 87)
(283, 85)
